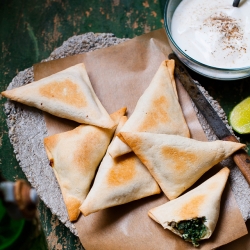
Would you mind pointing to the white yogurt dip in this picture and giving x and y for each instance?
(213, 32)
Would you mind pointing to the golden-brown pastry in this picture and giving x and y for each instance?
(74, 156)
(177, 162)
(119, 181)
(157, 111)
(67, 94)
(194, 215)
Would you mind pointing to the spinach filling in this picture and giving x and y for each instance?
(191, 230)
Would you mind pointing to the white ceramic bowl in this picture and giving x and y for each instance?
(203, 69)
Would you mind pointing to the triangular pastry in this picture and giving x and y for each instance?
(157, 111)
(74, 156)
(194, 215)
(67, 94)
(177, 162)
(119, 181)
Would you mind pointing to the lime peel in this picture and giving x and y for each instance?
(239, 117)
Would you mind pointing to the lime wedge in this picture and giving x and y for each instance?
(239, 117)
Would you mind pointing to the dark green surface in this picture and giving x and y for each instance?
(20, 234)
(31, 30)
(10, 229)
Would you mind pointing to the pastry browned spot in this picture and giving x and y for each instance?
(65, 91)
(123, 170)
(181, 159)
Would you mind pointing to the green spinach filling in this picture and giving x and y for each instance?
(191, 230)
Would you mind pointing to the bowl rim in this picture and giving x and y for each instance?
(186, 55)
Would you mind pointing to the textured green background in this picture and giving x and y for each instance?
(31, 30)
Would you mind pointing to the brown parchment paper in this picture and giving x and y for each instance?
(119, 75)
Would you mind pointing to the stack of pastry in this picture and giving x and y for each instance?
(109, 160)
